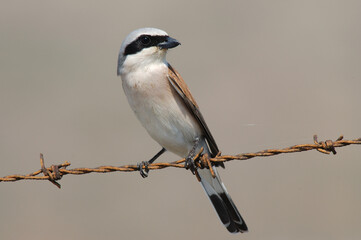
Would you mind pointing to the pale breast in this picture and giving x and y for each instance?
(160, 110)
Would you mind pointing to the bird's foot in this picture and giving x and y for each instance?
(143, 168)
(189, 163)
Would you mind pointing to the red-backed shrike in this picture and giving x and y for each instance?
(165, 107)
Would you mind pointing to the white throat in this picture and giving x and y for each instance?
(142, 60)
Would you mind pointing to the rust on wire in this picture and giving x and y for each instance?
(327, 146)
(56, 172)
(53, 173)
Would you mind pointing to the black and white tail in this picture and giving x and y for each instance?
(221, 201)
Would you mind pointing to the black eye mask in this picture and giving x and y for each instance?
(143, 41)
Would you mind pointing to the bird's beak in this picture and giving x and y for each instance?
(168, 43)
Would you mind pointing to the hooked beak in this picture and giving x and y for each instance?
(168, 43)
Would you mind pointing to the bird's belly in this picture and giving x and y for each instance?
(166, 119)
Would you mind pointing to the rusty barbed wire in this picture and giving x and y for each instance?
(56, 172)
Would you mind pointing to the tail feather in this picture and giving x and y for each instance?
(222, 201)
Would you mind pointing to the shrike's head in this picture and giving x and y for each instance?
(144, 46)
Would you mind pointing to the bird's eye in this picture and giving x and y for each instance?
(145, 40)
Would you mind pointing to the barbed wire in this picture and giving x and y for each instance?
(56, 172)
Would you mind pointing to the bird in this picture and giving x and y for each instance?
(165, 107)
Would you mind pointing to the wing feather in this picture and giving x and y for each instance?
(182, 89)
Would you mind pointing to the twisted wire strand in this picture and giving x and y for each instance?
(56, 172)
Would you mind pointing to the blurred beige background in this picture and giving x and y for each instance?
(266, 74)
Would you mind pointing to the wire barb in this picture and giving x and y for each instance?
(56, 172)
(53, 173)
(327, 146)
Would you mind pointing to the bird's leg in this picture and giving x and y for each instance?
(189, 164)
(144, 171)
